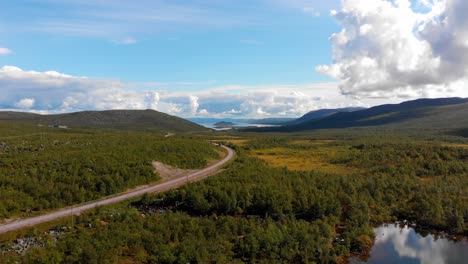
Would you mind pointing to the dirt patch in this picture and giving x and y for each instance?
(168, 172)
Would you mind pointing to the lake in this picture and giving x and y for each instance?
(237, 125)
(395, 244)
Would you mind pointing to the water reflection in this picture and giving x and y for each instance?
(403, 245)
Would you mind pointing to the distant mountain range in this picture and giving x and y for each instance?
(275, 121)
(442, 113)
(264, 121)
(448, 114)
(149, 120)
(316, 114)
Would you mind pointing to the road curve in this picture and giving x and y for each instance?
(208, 171)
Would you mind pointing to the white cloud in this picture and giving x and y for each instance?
(25, 103)
(396, 48)
(152, 99)
(311, 11)
(204, 112)
(52, 91)
(4, 51)
(193, 104)
(60, 92)
(262, 101)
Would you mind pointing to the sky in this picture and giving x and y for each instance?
(229, 58)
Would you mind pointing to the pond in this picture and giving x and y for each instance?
(396, 244)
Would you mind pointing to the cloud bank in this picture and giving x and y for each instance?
(54, 92)
(401, 48)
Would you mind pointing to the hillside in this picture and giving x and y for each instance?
(312, 115)
(112, 119)
(443, 113)
(272, 121)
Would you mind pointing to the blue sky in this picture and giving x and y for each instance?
(241, 42)
(252, 58)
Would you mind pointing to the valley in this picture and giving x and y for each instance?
(306, 196)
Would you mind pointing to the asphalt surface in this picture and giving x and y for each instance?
(76, 210)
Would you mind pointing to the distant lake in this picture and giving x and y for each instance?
(237, 125)
(394, 244)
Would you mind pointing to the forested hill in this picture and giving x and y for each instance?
(112, 119)
(443, 113)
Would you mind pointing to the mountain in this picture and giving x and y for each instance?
(211, 120)
(264, 121)
(112, 119)
(271, 121)
(224, 124)
(312, 115)
(442, 113)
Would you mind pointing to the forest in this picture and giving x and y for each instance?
(53, 169)
(257, 211)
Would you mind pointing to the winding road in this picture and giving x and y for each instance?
(76, 210)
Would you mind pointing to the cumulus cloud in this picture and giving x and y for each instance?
(25, 103)
(4, 51)
(401, 48)
(193, 104)
(204, 112)
(56, 91)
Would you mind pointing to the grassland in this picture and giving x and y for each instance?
(317, 157)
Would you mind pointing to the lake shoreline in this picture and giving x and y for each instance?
(412, 228)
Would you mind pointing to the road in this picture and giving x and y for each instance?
(76, 210)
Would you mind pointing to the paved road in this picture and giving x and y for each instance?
(206, 172)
